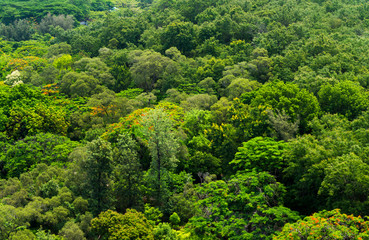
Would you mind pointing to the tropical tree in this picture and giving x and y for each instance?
(162, 142)
(248, 206)
(127, 173)
(326, 225)
(260, 154)
(98, 167)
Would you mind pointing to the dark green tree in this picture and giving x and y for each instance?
(46, 148)
(98, 167)
(248, 206)
(181, 35)
(346, 98)
(127, 173)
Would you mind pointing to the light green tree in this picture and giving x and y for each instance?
(260, 154)
(239, 86)
(10, 220)
(113, 226)
(24, 234)
(63, 62)
(162, 142)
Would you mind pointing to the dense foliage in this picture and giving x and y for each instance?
(157, 119)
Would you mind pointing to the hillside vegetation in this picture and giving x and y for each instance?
(11, 10)
(201, 119)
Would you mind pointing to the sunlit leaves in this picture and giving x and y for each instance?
(260, 154)
(129, 226)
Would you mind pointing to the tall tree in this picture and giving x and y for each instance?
(98, 167)
(127, 173)
(163, 144)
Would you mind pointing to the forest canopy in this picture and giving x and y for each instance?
(35, 9)
(200, 119)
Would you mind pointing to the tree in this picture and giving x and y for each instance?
(314, 159)
(261, 67)
(120, 70)
(181, 35)
(71, 231)
(33, 118)
(277, 38)
(220, 110)
(208, 84)
(346, 98)
(96, 68)
(63, 62)
(162, 142)
(58, 49)
(124, 32)
(9, 220)
(22, 235)
(238, 86)
(196, 121)
(19, 30)
(297, 103)
(222, 140)
(326, 225)
(127, 173)
(49, 22)
(284, 129)
(248, 206)
(79, 85)
(306, 78)
(98, 167)
(260, 154)
(107, 106)
(225, 27)
(83, 41)
(345, 184)
(14, 78)
(152, 70)
(129, 226)
(175, 96)
(199, 101)
(202, 162)
(212, 67)
(45, 148)
(164, 231)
